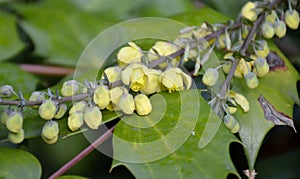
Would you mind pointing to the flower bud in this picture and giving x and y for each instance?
(231, 123)
(135, 75)
(242, 69)
(47, 109)
(129, 54)
(210, 77)
(49, 141)
(226, 68)
(231, 109)
(291, 18)
(70, 88)
(62, 108)
(116, 93)
(263, 49)
(251, 80)
(101, 97)
(50, 129)
(4, 115)
(267, 30)
(174, 79)
(6, 91)
(126, 103)
(261, 67)
(153, 83)
(113, 74)
(271, 17)
(16, 138)
(75, 120)
(248, 11)
(92, 117)
(240, 100)
(280, 28)
(14, 123)
(163, 49)
(37, 96)
(78, 107)
(142, 104)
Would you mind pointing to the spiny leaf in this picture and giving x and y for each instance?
(145, 147)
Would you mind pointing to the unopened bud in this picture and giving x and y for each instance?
(92, 117)
(50, 141)
(263, 49)
(62, 108)
(291, 19)
(280, 28)
(126, 103)
(50, 129)
(37, 96)
(248, 11)
(101, 97)
(142, 104)
(261, 67)
(231, 123)
(75, 120)
(47, 109)
(14, 123)
(210, 77)
(16, 138)
(267, 30)
(6, 91)
(70, 88)
(4, 115)
(271, 17)
(251, 80)
(78, 107)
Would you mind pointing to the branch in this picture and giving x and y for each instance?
(218, 106)
(83, 153)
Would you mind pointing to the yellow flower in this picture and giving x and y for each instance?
(248, 11)
(152, 83)
(16, 138)
(280, 28)
(101, 97)
(75, 120)
(135, 75)
(271, 17)
(50, 129)
(267, 30)
(62, 108)
(231, 123)
(210, 77)
(70, 88)
(47, 109)
(14, 123)
(251, 80)
(92, 117)
(113, 74)
(291, 18)
(114, 96)
(263, 49)
(163, 49)
(261, 67)
(240, 100)
(142, 104)
(126, 103)
(78, 107)
(242, 69)
(129, 54)
(174, 79)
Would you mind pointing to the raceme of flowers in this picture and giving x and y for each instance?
(126, 87)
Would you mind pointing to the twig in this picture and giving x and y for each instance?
(218, 106)
(83, 153)
(46, 70)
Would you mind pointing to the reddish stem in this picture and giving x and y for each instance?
(83, 153)
(46, 70)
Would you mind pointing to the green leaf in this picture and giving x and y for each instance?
(165, 143)
(13, 75)
(17, 163)
(59, 30)
(10, 43)
(279, 88)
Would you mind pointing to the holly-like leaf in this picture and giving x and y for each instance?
(279, 88)
(165, 143)
(17, 163)
(10, 43)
